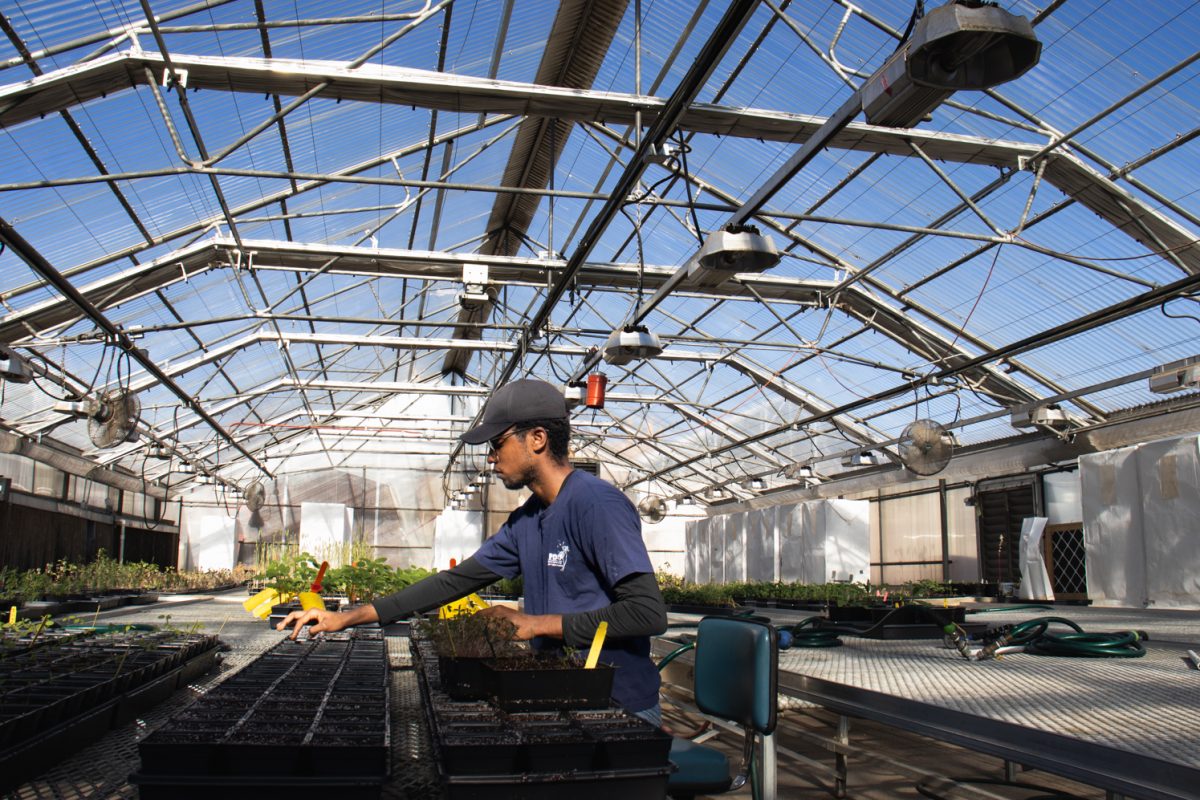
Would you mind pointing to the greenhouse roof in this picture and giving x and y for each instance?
(329, 230)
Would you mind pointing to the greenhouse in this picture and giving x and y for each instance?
(367, 367)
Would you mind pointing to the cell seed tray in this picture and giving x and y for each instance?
(303, 710)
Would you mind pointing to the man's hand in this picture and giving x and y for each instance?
(323, 621)
(528, 625)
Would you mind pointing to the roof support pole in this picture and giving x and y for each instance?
(38, 263)
(714, 49)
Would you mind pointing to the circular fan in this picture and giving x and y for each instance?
(653, 509)
(925, 447)
(113, 418)
(255, 495)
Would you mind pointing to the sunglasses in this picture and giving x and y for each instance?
(495, 444)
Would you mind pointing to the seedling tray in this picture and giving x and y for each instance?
(282, 720)
(545, 686)
(204, 786)
(585, 754)
(50, 733)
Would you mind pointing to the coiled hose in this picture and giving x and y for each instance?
(1033, 635)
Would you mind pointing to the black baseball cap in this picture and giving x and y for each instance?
(525, 400)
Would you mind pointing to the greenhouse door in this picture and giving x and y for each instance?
(1001, 511)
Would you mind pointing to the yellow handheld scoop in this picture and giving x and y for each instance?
(312, 598)
(260, 604)
(597, 643)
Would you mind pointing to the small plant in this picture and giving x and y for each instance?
(472, 636)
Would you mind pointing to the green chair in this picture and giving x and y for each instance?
(736, 679)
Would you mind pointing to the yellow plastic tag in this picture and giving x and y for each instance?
(257, 600)
(597, 643)
(463, 606)
(12, 615)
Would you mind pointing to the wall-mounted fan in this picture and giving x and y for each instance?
(112, 416)
(653, 509)
(925, 447)
(255, 495)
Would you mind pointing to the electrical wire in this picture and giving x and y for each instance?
(684, 148)
(1163, 308)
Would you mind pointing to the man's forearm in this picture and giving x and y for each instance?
(434, 591)
(361, 615)
(637, 611)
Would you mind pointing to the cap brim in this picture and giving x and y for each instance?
(481, 434)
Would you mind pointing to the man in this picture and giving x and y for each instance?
(577, 541)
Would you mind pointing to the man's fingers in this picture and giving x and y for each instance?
(297, 620)
(287, 621)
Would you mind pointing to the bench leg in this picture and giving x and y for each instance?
(769, 770)
(842, 768)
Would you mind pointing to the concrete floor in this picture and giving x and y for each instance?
(881, 762)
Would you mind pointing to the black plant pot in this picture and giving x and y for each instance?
(485, 753)
(464, 678)
(626, 744)
(545, 686)
(559, 749)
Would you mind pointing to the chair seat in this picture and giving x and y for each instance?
(700, 770)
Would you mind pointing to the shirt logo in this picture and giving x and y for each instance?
(559, 558)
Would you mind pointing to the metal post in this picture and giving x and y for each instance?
(945, 529)
(842, 767)
(768, 768)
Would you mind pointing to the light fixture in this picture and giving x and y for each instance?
(756, 484)
(187, 468)
(207, 480)
(863, 458)
(471, 488)
(1176, 376)
(733, 249)
(13, 366)
(1049, 416)
(159, 451)
(960, 45)
(631, 343)
(475, 292)
(798, 471)
(687, 500)
(484, 478)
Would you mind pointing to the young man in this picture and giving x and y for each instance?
(577, 541)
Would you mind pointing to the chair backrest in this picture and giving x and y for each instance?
(737, 670)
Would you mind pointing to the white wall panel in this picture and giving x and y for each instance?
(735, 547)
(1112, 527)
(457, 535)
(761, 562)
(699, 551)
(963, 535)
(1169, 474)
(844, 525)
(912, 531)
(324, 531)
(1061, 497)
(665, 543)
(716, 548)
(789, 526)
(207, 540)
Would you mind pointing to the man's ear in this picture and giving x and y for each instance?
(538, 440)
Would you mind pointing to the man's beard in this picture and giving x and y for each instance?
(519, 482)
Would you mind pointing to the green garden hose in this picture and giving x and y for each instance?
(1032, 634)
(1022, 607)
(812, 638)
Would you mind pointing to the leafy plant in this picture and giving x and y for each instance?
(471, 636)
(507, 587)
